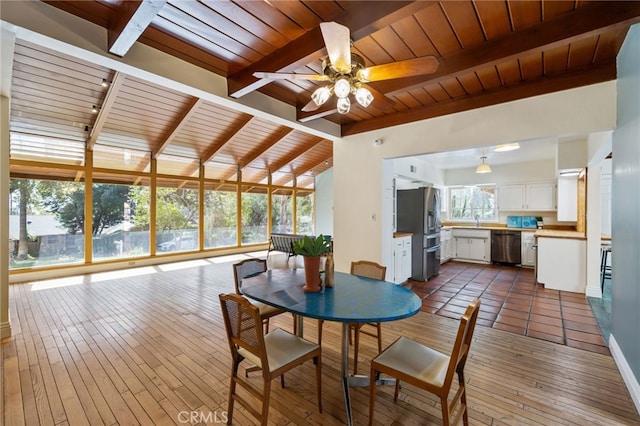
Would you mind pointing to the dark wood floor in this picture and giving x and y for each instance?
(512, 301)
(147, 346)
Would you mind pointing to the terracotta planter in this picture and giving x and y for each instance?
(312, 274)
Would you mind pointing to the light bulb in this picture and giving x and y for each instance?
(342, 88)
(364, 96)
(344, 105)
(321, 95)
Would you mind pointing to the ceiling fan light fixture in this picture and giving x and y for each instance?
(321, 95)
(483, 167)
(364, 96)
(344, 105)
(342, 88)
(507, 147)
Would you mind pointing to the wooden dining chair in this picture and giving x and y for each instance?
(363, 268)
(249, 267)
(429, 369)
(275, 353)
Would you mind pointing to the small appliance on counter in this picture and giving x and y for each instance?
(529, 222)
(514, 221)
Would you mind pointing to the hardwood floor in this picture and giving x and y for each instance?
(147, 346)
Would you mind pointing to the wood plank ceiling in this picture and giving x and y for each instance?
(489, 52)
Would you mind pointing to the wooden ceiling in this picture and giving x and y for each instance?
(489, 52)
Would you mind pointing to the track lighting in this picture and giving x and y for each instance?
(95, 109)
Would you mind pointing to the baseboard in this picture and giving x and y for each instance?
(625, 370)
(5, 330)
(594, 291)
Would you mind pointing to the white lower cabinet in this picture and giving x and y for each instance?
(528, 253)
(401, 259)
(562, 264)
(446, 245)
(472, 245)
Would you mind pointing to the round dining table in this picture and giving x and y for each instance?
(352, 299)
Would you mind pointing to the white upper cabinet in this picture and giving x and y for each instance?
(568, 198)
(512, 197)
(531, 196)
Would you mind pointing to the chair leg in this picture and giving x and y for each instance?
(266, 395)
(318, 362)
(445, 410)
(356, 346)
(232, 389)
(397, 391)
(379, 327)
(282, 381)
(463, 398)
(372, 394)
(266, 326)
(320, 324)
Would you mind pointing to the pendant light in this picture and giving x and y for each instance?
(483, 167)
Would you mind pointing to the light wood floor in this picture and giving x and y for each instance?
(147, 346)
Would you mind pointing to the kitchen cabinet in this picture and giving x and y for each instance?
(568, 198)
(530, 196)
(401, 259)
(472, 245)
(562, 264)
(446, 245)
(528, 254)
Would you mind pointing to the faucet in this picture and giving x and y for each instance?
(477, 221)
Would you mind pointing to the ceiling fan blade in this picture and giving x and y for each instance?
(408, 68)
(311, 106)
(337, 39)
(380, 101)
(290, 76)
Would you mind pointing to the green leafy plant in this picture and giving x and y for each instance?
(312, 246)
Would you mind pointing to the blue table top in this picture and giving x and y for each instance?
(351, 299)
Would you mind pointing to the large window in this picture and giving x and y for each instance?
(472, 202)
(304, 212)
(120, 221)
(176, 216)
(282, 211)
(220, 215)
(254, 214)
(46, 223)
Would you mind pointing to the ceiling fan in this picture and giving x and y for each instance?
(347, 73)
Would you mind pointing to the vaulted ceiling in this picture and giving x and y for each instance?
(488, 52)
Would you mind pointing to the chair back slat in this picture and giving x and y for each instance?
(243, 324)
(365, 268)
(246, 268)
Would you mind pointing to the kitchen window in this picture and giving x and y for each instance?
(472, 202)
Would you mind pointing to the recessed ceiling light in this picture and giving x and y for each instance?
(507, 147)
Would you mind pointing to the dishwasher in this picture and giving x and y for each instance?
(506, 247)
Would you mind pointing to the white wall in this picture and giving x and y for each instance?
(324, 203)
(358, 164)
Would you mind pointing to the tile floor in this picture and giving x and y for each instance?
(512, 301)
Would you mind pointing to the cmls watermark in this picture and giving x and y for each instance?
(194, 417)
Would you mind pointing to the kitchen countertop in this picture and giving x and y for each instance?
(402, 234)
(554, 233)
(496, 226)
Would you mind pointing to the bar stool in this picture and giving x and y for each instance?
(605, 267)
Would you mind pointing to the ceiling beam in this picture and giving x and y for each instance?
(261, 149)
(302, 150)
(313, 166)
(178, 124)
(310, 45)
(217, 145)
(566, 28)
(132, 19)
(599, 73)
(104, 109)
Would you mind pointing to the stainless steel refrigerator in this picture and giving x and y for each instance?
(418, 212)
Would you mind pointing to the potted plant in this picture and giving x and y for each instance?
(311, 248)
